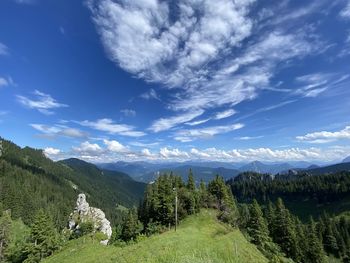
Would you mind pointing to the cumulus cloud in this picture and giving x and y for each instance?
(111, 151)
(49, 151)
(325, 136)
(58, 130)
(107, 125)
(205, 133)
(115, 146)
(88, 149)
(42, 102)
(166, 153)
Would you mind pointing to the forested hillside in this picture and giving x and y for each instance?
(305, 195)
(29, 181)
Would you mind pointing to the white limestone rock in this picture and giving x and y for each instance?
(84, 213)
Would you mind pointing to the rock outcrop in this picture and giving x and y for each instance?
(84, 213)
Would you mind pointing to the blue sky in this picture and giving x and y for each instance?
(225, 80)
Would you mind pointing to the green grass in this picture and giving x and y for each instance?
(200, 238)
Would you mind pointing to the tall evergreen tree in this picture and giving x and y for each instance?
(284, 231)
(314, 252)
(5, 232)
(329, 240)
(131, 226)
(44, 239)
(191, 185)
(257, 227)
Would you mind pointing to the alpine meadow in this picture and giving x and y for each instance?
(174, 131)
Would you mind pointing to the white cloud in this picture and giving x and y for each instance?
(3, 49)
(168, 123)
(115, 146)
(44, 103)
(345, 12)
(314, 84)
(200, 53)
(59, 130)
(143, 144)
(166, 153)
(49, 151)
(325, 136)
(128, 112)
(107, 125)
(88, 149)
(7, 82)
(115, 151)
(3, 82)
(247, 138)
(151, 94)
(194, 123)
(224, 114)
(204, 133)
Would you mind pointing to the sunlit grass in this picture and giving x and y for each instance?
(200, 238)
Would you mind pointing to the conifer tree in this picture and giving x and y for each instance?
(329, 240)
(257, 227)
(191, 185)
(314, 252)
(284, 231)
(44, 239)
(131, 226)
(5, 232)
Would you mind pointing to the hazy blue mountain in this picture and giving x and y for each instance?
(330, 169)
(346, 160)
(260, 167)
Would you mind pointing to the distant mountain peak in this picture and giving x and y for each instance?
(346, 160)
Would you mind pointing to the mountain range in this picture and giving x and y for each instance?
(148, 172)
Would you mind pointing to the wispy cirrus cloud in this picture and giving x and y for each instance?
(151, 94)
(3, 49)
(109, 126)
(248, 138)
(205, 133)
(58, 130)
(168, 123)
(317, 83)
(128, 112)
(208, 55)
(42, 102)
(225, 114)
(345, 12)
(4, 82)
(325, 136)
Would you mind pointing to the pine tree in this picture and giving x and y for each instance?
(284, 231)
(131, 227)
(257, 227)
(191, 185)
(5, 232)
(203, 195)
(329, 240)
(44, 239)
(314, 252)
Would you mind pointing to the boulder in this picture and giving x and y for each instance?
(84, 213)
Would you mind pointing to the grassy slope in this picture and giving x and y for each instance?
(200, 238)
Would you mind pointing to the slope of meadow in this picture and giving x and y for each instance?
(200, 238)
